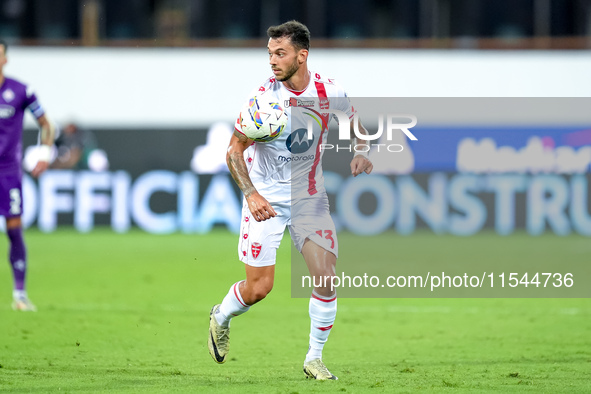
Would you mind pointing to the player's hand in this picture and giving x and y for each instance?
(40, 168)
(360, 164)
(260, 208)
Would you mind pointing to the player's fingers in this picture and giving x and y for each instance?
(255, 213)
(369, 168)
(263, 212)
(40, 168)
(355, 168)
(271, 211)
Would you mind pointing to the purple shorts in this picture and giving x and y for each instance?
(11, 195)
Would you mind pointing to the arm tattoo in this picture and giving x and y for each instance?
(239, 172)
(238, 169)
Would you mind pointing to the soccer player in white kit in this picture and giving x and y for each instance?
(283, 186)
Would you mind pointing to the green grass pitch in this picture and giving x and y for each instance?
(129, 313)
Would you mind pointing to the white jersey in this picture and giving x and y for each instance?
(293, 162)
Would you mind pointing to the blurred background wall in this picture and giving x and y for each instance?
(410, 23)
(160, 83)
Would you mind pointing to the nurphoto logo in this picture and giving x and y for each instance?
(402, 122)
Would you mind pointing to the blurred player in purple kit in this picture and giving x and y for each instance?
(15, 98)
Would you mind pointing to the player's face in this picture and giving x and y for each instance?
(283, 58)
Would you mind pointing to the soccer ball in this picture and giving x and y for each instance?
(261, 120)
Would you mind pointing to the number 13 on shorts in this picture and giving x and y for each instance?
(327, 234)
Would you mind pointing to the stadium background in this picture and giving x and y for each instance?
(152, 78)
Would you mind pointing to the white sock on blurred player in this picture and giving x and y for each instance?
(323, 311)
(233, 305)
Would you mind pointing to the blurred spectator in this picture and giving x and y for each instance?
(211, 157)
(77, 149)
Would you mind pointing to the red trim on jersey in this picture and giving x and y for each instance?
(237, 297)
(312, 175)
(295, 91)
(245, 230)
(253, 156)
(323, 299)
(325, 328)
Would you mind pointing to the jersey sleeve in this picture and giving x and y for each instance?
(237, 126)
(342, 103)
(32, 104)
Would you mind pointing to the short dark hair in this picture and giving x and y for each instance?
(4, 44)
(298, 33)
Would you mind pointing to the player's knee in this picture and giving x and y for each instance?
(261, 290)
(13, 222)
(257, 292)
(324, 283)
(324, 278)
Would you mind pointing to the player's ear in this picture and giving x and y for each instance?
(303, 55)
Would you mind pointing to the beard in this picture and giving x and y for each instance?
(290, 71)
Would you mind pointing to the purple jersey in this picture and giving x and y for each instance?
(15, 97)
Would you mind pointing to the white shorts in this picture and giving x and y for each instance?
(311, 219)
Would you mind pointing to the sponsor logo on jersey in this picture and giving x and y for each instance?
(296, 102)
(256, 249)
(8, 95)
(6, 111)
(295, 158)
(298, 141)
(324, 103)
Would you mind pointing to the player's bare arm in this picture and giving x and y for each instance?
(360, 162)
(259, 207)
(47, 137)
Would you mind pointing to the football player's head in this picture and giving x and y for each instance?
(297, 32)
(288, 48)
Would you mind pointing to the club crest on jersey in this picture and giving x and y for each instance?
(8, 95)
(298, 141)
(256, 249)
